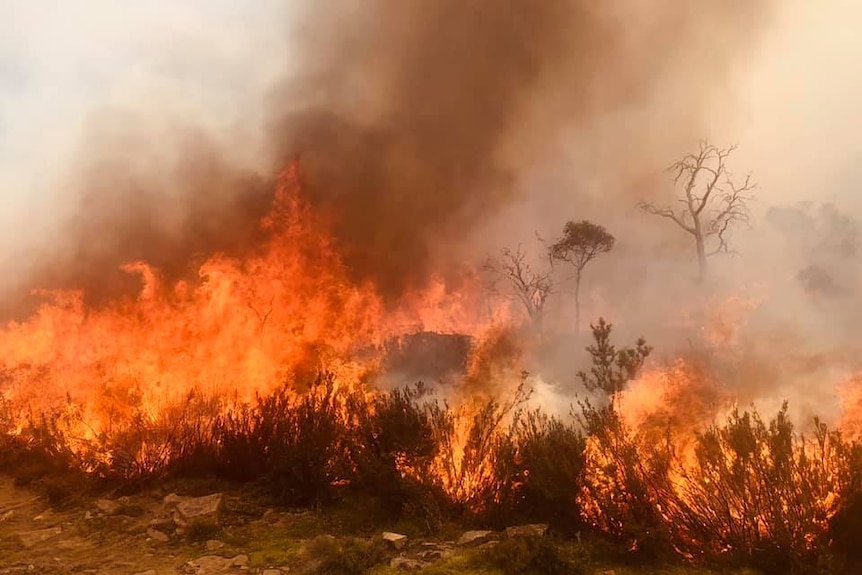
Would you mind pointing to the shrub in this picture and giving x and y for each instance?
(535, 556)
(349, 556)
(765, 495)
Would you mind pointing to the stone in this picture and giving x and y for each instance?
(532, 530)
(435, 554)
(240, 561)
(157, 535)
(47, 514)
(107, 507)
(214, 545)
(204, 509)
(172, 499)
(395, 540)
(473, 538)
(31, 538)
(406, 564)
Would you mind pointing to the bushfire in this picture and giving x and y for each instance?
(280, 363)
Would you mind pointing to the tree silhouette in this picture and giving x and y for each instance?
(582, 242)
(711, 202)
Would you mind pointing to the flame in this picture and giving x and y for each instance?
(286, 312)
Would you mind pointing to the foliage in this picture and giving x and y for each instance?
(348, 556)
(581, 243)
(535, 556)
(612, 368)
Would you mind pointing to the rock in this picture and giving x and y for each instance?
(200, 509)
(7, 516)
(271, 572)
(162, 523)
(473, 538)
(31, 538)
(157, 535)
(47, 514)
(240, 561)
(435, 552)
(395, 540)
(172, 499)
(406, 564)
(533, 530)
(487, 545)
(214, 545)
(107, 506)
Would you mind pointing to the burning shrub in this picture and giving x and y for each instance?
(549, 455)
(624, 478)
(393, 447)
(760, 492)
(470, 466)
(293, 443)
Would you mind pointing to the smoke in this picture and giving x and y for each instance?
(416, 121)
(435, 132)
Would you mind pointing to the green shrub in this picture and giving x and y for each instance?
(350, 556)
(535, 556)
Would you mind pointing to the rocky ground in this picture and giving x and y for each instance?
(158, 533)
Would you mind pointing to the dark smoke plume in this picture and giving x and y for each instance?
(402, 110)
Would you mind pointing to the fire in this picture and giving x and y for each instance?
(285, 313)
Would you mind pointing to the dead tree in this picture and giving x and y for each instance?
(530, 287)
(711, 203)
(582, 242)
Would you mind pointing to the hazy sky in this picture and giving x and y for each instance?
(795, 117)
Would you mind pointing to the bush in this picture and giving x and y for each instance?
(350, 556)
(765, 495)
(535, 556)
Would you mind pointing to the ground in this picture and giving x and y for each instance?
(138, 534)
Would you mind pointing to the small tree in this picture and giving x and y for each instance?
(530, 287)
(711, 202)
(582, 242)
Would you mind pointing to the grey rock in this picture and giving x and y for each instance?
(31, 538)
(107, 507)
(201, 509)
(533, 530)
(395, 540)
(473, 538)
(157, 535)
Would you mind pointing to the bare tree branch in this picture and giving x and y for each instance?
(712, 203)
(531, 288)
